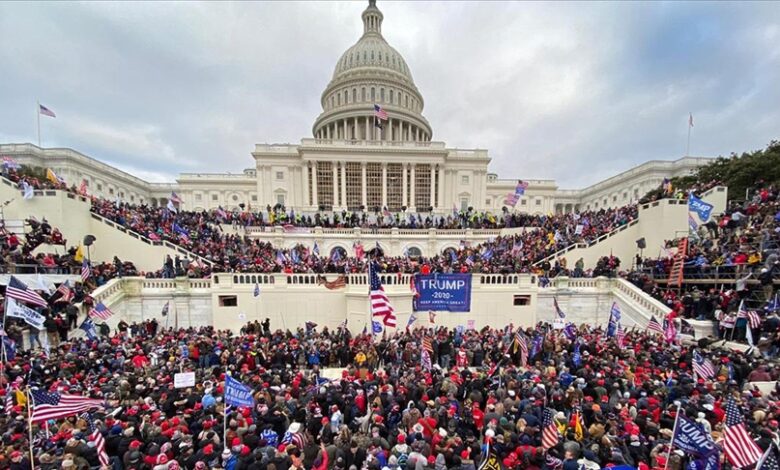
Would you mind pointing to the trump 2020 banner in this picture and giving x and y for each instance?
(443, 292)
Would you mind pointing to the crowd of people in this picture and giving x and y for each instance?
(475, 395)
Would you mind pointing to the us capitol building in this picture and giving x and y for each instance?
(350, 163)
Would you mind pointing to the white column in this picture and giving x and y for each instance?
(433, 180)
(315, 199)
(335, 185)
(327, 133)
(305, 183)
(363, 184)
(344, 184)
(384, 184)
(389, 128)
(440, 181)
(355, 132)
(401, 135)
(404, 199)
(345, 137)
(417, 134)
(365, 136)
(412, 195)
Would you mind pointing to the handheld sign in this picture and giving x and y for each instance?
(184, 379)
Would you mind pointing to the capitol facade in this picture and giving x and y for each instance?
(355, 160)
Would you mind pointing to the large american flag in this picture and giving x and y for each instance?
(100, 311)
(380, 304)
(380, 113)
(654, 326)
(65, 291)
(511, 199)
(752, 316)
(741, 449)
(621, 336)
(47, 405)
(46, 111)
(97, 437)
(549, 430)
(18, 290)
(86, 271)
(703, 367)
(427, 345)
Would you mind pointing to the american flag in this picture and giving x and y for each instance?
(100, 311)
(654, 326)
(427, 345)
(18, 290)
(425, 360)
(175, 198)
(97, 437)
(47, 405)
(83, 188)
(741, 449)
(703, 367)
(380, 113)
(770, 460)
(46, 111)
(521, 187)
(9, 162)
(380, 304)
(9, 399)
(621, 336)
(549, 430)
(752, 316)
(66, 294)
(511, 199)
(86, 271)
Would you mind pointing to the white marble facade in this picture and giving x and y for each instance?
(350, 163)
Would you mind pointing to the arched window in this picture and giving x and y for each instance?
(363, 93)
(354, 95)
(406, 97)
(364, 56)
(391, 96)
(373, 94)
(346, 95)
(342, 252)
(382, 95)
(372, 55)
(414, 252)
(338, 99)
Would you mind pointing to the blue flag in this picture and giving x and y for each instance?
(690, 437)
(238, 394)
(257, 289)
(536, 346)
(10, 348)
(570, 331)
(376, 327)
(614, 319)
(576, 358)
(703, 209)
(89, 328)
(316, 249)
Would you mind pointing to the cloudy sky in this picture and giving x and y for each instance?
(572, 91)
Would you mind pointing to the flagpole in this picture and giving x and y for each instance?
(674, 430)
(38, 114)
(29, 426)
(688, 147)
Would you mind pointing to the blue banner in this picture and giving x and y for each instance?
(692, 438)
(443, 292)
(238, 394)
(701, 208)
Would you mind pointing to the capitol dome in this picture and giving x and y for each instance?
(368, 74)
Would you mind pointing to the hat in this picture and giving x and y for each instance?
(294, 428)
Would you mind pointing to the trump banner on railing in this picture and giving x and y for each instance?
(442, 292)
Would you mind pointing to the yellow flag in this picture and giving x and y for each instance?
(578, 435)
(52, 176)
(79, 256)
(21, 398)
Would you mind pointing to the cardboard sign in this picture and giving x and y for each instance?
(184, 379)
(559, 324)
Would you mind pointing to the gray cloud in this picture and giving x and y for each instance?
(571, 91)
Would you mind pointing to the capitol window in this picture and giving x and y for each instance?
(280, 199)
(279, 175)
(198, 197)
(100, 187)
(391, 96)
(254, 198)
(363, 93)
(354, 95)
(214, 197)
(524, 202)
(382, 95)
(235, 197)
(373, 94)
(464, 179)
(538, 202)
